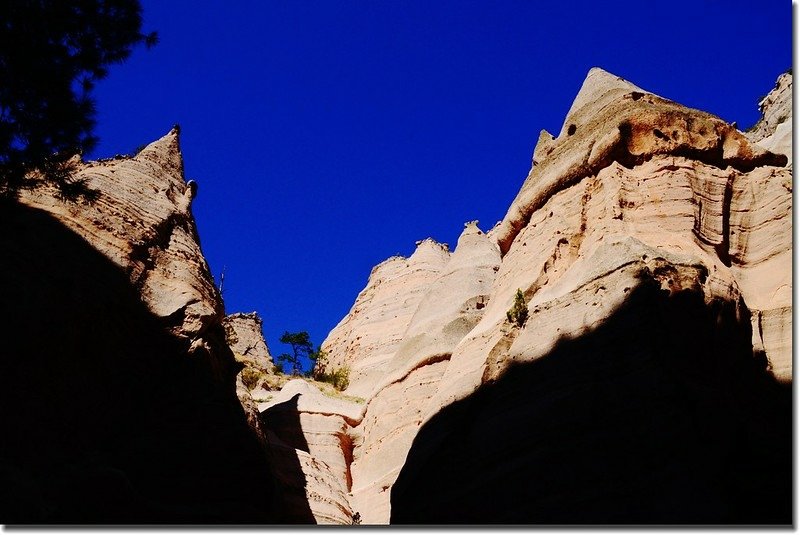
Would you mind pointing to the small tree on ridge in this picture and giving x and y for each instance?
(301, 347)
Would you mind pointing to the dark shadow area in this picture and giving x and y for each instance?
(105, 418)
(659, 416)
(284, 431)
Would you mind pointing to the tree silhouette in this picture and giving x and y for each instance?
(52, 52)
(301, 347)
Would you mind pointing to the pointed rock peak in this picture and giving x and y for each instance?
(166, 151)
(599, 89)
(545, 137)
(170, 141)
(544, 145)
(470, 235)
(599, 80)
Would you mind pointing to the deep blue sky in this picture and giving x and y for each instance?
(327, 136)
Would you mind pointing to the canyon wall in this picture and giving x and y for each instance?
(649, 383)
(118, 387)
(652, 245)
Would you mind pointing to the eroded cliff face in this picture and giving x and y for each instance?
(245, 336)
(452, 306)
(118, 388)
(651, 382)
(365, 339)
(652, 244)
(311, 435)
(142, 222)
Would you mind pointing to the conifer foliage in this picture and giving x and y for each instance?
(52, 52)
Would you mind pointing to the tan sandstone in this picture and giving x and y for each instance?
(368, 335)
(310, 432)
(142, 221)
(634, 186)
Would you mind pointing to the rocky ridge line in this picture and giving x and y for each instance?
(634, 186)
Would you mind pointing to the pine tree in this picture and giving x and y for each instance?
(52, 52)
(301, 348)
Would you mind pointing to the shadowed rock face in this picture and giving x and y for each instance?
(650, 383)
(142, 222)
(309, 432)
(633, 187)
(108, 417)
(658, 415)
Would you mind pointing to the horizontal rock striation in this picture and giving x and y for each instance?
(613, 120)
(311, 434)
(118, 389)
(245, 336)
(645, 226)
(367, 337)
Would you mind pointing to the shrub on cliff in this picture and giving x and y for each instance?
(339, 378)
(251, 377)
(518, 313)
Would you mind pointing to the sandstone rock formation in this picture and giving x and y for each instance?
(774, 130)
(650, 383)
(366, 338)
(310, 433)
(453, 304)
(142, 222)
(764, 244)
(244, 334)
(116, 379)
(644, 226)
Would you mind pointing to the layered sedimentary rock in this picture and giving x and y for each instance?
(636, 193)
(367, 337)
(310, 434)
(652, 245)
(761, 244)
(142, 222)
(245, 336)
(118, 389)
(452, 305)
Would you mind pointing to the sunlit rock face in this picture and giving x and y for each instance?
(142, 222)
(118, 385)
(761, 221)
(310, 436)
(639, 209)
(244, 334)
(774, 130)
(451, 307)
(365, 339)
